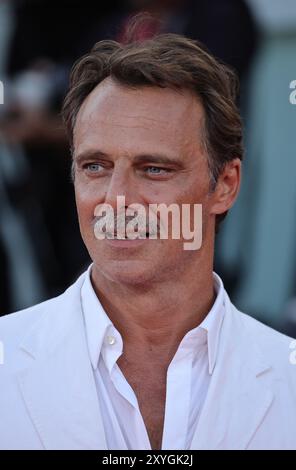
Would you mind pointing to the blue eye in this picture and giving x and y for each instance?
(93, 167)
(155, 170)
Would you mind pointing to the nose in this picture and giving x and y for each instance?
(121, 183)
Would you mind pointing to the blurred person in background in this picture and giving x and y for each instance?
(21, 278)
(261, 246)
(37, 68)
(226, 27)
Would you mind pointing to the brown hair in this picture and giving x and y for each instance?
(167, 60)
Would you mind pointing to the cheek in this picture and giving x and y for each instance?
(86, 202)
(167, 192)
(88, 196)
(88, 190)
(197, 190)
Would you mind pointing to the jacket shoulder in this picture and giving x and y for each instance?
(276, 348)
(261, 331)
(14, 326)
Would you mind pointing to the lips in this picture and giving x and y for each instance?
(129, 236)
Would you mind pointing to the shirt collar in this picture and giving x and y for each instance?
(97, 322)
(213, 321)
(208, 331)
(98, 325)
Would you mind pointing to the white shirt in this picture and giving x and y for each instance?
(188, 376)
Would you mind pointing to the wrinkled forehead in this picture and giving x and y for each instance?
(114, 113)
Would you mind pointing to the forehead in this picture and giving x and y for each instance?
(116, 115)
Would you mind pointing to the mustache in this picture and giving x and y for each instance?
(121, 224)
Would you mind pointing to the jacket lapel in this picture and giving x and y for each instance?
(237, 399)
(59, 388)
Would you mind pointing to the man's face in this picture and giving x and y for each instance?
(144, 144)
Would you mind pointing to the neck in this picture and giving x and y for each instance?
(158, 317)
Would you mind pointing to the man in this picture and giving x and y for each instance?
(146, 350)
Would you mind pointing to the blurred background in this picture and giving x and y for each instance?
(41, 251)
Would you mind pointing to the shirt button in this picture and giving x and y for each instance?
(111, 340)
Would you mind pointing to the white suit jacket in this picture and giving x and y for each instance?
(48, 395)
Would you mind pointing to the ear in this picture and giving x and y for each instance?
(227, 187)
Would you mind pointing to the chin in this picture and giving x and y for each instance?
(132, 273)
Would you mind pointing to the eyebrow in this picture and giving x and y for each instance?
(141, 158)
(89, 155)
